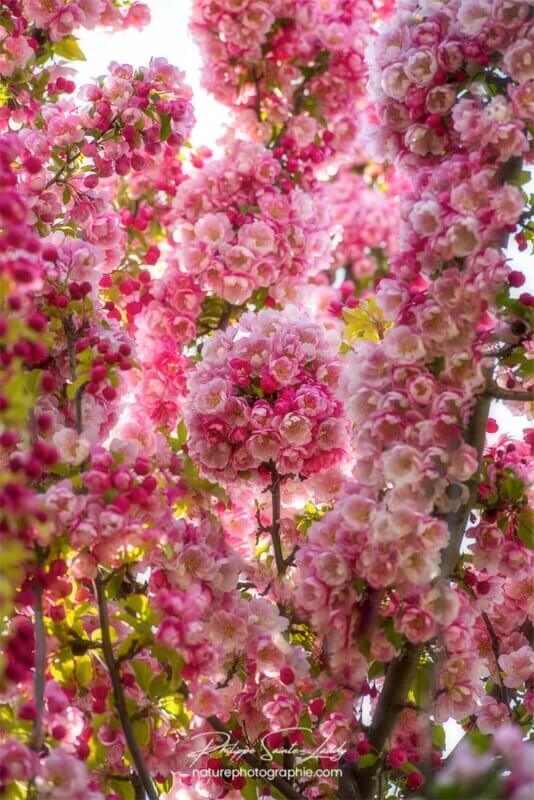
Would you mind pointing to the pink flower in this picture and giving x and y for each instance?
(17, 762)
(416, 624)
(264, 447)
(296, 430)
(518, 60)
(211, 398)
(403, 345)
(61, 776)
(491, 715)
(72, 448)
(402, 465)
(518, 666)
(258, 237)
(213, 229)
(16, 54)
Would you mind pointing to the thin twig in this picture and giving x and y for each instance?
(118, 694)
(40, 664)
(496, 654)
(281, 565)
(517, 396)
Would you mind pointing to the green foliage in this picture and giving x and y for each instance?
(525, 527)
(512, 487)
(69, 48)
(366, 321)
(200, 485)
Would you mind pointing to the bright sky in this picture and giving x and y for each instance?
(168, 36)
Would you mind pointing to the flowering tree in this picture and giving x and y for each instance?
(254, 540)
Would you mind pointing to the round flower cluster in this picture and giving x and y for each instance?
(263, 395)
(432, 77)
(277, 60)
(247, 225)
(148, 105)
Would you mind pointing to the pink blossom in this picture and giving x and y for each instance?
(518, 666)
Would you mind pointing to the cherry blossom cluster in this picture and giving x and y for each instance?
(60, 19)
(293, 67)
(263, 394)
(246, 225)
(37, 31)
(430, 80)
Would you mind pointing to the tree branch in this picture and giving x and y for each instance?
(40, 664)
(281, 565)
(118, 694)
(71, 350)
(283, 786)
(503, 691)
(518, 396)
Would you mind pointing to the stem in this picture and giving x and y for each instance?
(275, 525)
(40, 665)
(510, 394)
(496, 654)
(71, 339)
(257, 98)
(397, 683)
(118, 694)
(69, 160)
(283, 786)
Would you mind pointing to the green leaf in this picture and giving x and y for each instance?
(525, 527)
(249, 791)
(72, 388)
(512, 487)
(376, 669)
(165, 127)
(178, 441)
(201, 485)
(438, 736)
(123, 789)
(421, 683)
(366, 321)
(69, 48)
(143, 731)
(143, 673)
(84, 671)
(367, 760)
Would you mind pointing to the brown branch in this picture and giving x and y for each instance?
(70, 333)
(118, 694)
(40, 664)
(281, 565)
(517, 396)
(503, 691)
(257, 97)
(283, 786)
